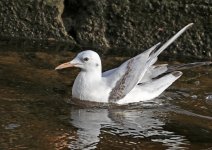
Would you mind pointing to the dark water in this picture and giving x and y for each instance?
(36, 114)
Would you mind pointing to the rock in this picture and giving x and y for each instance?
(35, 19)
(130, 27)
(120, 26)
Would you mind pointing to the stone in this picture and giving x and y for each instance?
(33, 19)
(129, 27)
(122, 27)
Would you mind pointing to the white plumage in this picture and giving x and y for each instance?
(133, 81)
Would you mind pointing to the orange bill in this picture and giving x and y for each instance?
(64, 65)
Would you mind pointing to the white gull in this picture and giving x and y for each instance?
(137, 79)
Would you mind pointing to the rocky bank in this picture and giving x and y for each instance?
(113, 26)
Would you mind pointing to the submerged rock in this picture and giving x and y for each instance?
(12, 126)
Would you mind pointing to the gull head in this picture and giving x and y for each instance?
(87, 61)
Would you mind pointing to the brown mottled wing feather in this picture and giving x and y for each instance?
(134, 71)
(126, 76)
(118, 91)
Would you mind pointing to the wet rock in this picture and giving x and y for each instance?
(33, 20)
(129, 27)
(120, 26)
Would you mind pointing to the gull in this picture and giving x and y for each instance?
(137, 79)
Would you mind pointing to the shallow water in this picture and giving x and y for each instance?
(36, 113)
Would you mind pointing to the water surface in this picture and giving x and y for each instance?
(36, 113)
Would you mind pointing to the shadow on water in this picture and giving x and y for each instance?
(35, 113)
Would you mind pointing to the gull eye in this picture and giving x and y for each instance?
(86, 59)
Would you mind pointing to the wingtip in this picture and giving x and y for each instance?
(189, 25)
(177, 73)
(158, 43)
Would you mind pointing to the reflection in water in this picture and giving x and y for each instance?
(135, 123)
(89, 122)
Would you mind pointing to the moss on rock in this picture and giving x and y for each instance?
(32, 19)
(131, 26)
(121, 26)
